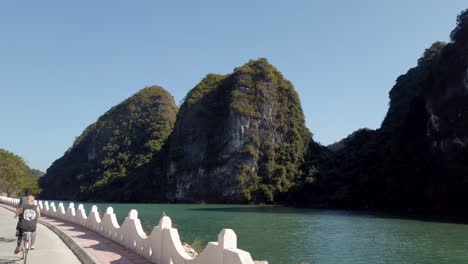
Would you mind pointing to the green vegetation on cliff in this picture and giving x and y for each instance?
(270, 99)
(106, 157)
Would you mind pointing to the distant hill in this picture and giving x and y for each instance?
(345, 141)
(36, 173)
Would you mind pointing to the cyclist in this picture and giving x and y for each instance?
(23, 201)
(28, 213)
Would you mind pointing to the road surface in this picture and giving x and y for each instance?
(49, 247)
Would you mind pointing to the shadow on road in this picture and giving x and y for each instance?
(9, 259)
(7, 240)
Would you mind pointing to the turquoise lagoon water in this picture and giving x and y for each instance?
(284, 235)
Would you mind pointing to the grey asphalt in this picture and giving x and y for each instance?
(50, 248)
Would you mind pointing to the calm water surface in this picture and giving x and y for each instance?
(284, 235)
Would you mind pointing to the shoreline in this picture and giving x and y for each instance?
(407, 214)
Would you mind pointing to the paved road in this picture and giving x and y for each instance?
(49, 248)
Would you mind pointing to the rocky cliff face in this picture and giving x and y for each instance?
(446, 100)
(238, 137)
(425, 131)
(108, 155)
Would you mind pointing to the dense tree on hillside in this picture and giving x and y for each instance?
(15, 175)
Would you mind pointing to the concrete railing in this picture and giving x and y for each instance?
(162, 246)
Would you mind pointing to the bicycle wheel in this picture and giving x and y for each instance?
(26, 243)
(25, 255)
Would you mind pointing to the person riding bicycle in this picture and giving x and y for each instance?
(28, 214)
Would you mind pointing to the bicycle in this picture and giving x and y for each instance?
(25, 245)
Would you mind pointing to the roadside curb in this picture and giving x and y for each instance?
(82, 254)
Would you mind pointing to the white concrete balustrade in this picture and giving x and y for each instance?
(162, 246)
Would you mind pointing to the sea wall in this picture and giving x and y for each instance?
(162, 246)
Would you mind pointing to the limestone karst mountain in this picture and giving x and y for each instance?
(418, 158)
(238, 138)
(111, 153)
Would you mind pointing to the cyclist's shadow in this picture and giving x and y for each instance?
(10, 259)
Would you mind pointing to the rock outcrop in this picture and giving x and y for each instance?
(238, 137)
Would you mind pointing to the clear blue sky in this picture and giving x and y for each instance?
(64, 63)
